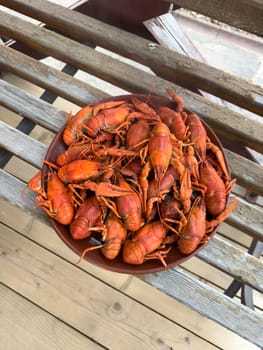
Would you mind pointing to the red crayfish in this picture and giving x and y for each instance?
(144, 178)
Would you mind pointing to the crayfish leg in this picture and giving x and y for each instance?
(85, 127)
(160, 255)
(105, 105)
(34, 184)
(219, 156)
(177, 99)
(109, 204)
(143, 153)
(89, 249)
(230, 185)
(142, 106)
(177, 222)
(76, 197)
(47, 207)
(50, 164)
(144, 184)
(221, 217)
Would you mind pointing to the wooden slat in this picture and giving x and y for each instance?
(222, 119)
(167, 63)
(48, 78)
(226, 266)
(82, 301)
(128, 284)
(25, 326)
(21, 145)
(234, 262)
(207, 301)
(231, 260)
(246, 15)
(247, 218)
(28, 106)
(11, 190)
(248, 173)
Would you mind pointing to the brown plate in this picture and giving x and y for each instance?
(95, 257)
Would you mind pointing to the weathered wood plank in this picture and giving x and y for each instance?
(22, 145)
(92, 307)
(13, 191)
(25, 326)
(60, 83)
(127, 284)
(221, 118)
(168, 64)
(230, 259)
(31, 107)
(247, 218)
(209, 302)
(248, 173)
(246, 15)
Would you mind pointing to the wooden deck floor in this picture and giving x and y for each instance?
(47, 301)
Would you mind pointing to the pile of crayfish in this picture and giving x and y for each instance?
(144, 178)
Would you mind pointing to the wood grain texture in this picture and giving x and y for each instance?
(246, 15)
(207, 301)
(25, 326)
(233, 261)
(48, 78)
(12, 189)
(249, 174)
(168, 64)
(87, 294)
(83, 302)
(247, 218)
(131, 286)
(222, 119)
(31, 107)
(21, 145)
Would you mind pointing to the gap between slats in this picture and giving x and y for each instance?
(222, 119)
(129, 285)
(239, 318)
(76, 91)
(34, 328)
(161, 60)
(90, 302)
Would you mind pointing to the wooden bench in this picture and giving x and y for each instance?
(71, 37)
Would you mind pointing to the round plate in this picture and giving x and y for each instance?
(95, 257)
